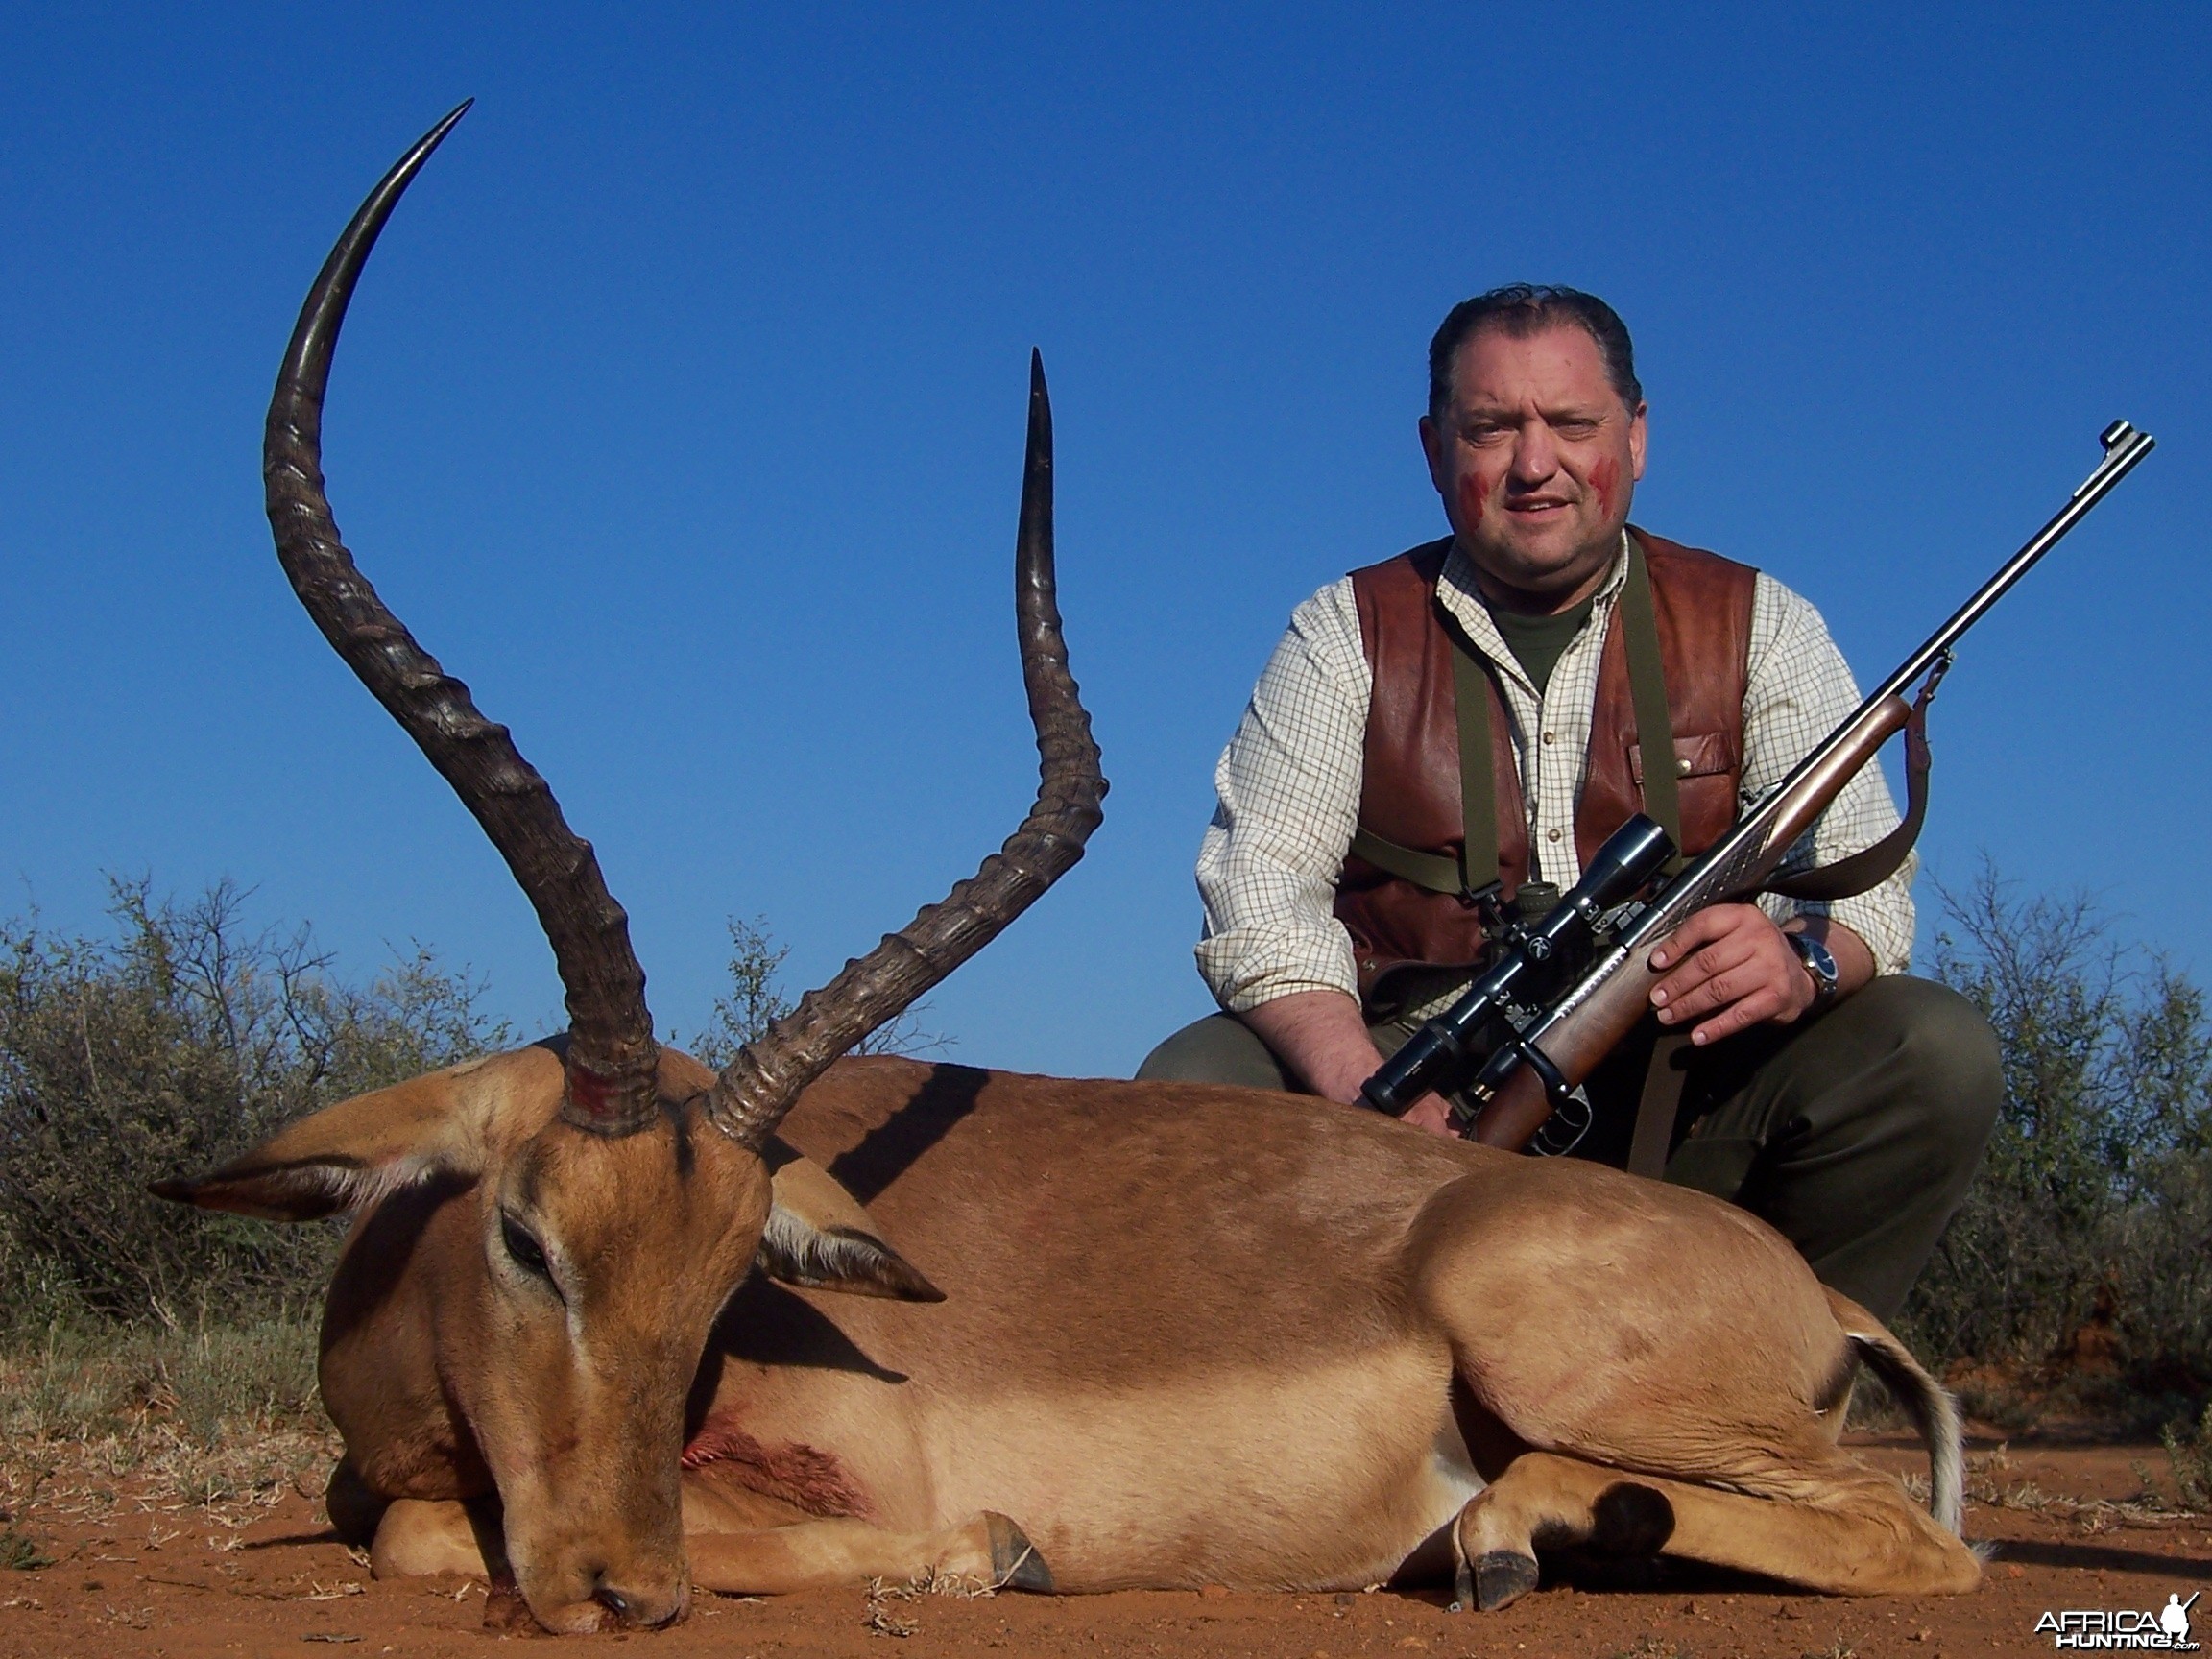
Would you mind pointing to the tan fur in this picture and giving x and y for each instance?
(1188, 1335)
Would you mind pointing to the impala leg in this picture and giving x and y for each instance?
(1855, 1533)
(356, 1511)
(417, 1537)
(825, 1555)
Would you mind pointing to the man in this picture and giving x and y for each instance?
(1345, 892)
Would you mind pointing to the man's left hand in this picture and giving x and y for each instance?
(1731, 969)
(1430, 1113)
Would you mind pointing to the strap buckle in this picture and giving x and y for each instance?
(1486, 899)
(1943, 662)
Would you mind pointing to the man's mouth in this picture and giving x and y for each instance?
(1535, 504)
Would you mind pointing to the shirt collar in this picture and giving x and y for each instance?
(1458, 587)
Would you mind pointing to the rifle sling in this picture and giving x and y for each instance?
(1660, 1105)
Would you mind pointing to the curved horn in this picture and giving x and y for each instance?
(611, 1057)
(756, 1089)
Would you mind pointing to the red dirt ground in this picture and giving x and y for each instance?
(133, 1576)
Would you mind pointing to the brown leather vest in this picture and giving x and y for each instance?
(1410, 790)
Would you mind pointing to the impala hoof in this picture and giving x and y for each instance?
(1015, 1563)
(1498, 1579)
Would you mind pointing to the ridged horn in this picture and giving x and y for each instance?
(610, 1056)
(756, 1089)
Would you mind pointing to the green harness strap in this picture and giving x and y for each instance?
(1477, 779)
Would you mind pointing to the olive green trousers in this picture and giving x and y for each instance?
(1854, 1133)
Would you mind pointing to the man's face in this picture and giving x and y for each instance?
(1536, 458)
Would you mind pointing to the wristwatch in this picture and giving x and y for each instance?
(1820, 963)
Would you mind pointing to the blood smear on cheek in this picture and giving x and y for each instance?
(1603, 476)
(1474, 499)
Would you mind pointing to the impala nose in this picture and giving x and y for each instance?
(636, 1607)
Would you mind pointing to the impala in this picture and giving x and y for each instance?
(616, 1325)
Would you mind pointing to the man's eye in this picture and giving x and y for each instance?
(525, 1251)
(1574, 428)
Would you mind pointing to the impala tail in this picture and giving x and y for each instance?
(1926, 1400)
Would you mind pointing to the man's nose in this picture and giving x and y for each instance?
(1535, 456)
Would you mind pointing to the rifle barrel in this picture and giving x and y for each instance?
(1748, 844)
(2124, 448)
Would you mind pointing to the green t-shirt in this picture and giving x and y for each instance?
(1538, 642)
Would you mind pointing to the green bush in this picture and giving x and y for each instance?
(2082, 1247)
(756, 1001)
(2189, 1455)
(165, 1049)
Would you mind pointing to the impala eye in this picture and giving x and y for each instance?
(526, 1252)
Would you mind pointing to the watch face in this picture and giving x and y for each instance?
(1817, 959)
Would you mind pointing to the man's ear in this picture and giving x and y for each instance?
(350, 1154)
(1433, 450)
(818, 1238)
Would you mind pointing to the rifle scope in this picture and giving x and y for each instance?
(1437, 1055)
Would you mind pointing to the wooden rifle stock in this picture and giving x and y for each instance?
(1801, 804)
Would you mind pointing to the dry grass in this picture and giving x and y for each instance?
(1988, 1483)
(879, 1619)
(193, 1430)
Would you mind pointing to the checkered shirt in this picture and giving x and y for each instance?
(1289, 780)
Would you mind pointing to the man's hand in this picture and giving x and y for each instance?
(1732, 969)
(1320, 1036)
(1430, 1113)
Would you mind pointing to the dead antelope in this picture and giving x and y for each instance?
(620, 1325)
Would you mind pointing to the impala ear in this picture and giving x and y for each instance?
(352, 1154)
(819, 1238)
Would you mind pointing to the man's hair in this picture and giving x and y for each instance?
(1521, 309)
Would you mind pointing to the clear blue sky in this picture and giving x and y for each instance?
(680, 415)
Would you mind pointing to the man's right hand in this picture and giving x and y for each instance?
(1320, 1036)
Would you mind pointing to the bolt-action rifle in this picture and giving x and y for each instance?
(1511, 1070)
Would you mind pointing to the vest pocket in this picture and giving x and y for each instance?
(1706, 755)
(1706, 768)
